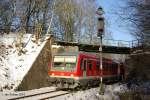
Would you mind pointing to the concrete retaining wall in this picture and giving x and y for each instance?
(37, 76)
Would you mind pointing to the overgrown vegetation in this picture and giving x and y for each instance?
(69, 20)
(137, 13)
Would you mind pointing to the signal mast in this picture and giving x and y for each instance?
(100, 33)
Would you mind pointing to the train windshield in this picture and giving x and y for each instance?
(64, 63)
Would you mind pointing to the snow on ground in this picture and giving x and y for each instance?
(13, 67)
(111, 93)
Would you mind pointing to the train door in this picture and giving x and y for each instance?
(89, 67)
(84, 67)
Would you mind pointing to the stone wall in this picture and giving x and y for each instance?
(37, 76)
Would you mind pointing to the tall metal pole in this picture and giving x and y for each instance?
(100, 34)
(101, 59)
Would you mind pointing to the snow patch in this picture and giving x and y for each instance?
(111, 93)
(14, 67)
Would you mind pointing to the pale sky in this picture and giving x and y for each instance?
(118, 27)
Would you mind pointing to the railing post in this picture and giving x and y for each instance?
(132, 44)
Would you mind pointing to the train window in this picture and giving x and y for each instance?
(107, 68)
(59, 64)
(67, 63)
(113, 66)
(97, 65)
(90, 66)
(81, 64)
(104, 65)
(84, 65)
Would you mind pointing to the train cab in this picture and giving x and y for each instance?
(63, 68)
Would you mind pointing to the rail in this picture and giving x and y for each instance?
(41, 95)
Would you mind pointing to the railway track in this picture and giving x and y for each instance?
(41, 95)
(44, 94)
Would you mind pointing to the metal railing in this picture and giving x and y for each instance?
(116, 43)
(122, 43)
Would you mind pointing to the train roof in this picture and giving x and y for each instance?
(77, 53)
(93, 55)
(67, 53)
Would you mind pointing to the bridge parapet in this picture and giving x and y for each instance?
(121, 43)
(140, 46)
(129, 44)
(117, 43)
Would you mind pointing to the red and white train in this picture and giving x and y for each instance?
(70, 70)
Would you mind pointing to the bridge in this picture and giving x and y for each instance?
(109, 45)
(115, 46)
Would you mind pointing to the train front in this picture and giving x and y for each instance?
(63, 71)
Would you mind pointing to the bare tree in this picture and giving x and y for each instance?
(137, 12)
(65, 12)
(76, 20)
(90, 20)
(138, 64)
(31, 12)
(7, 11)
(73, 20)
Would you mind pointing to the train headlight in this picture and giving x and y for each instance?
(53, 74)
(71, 75)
